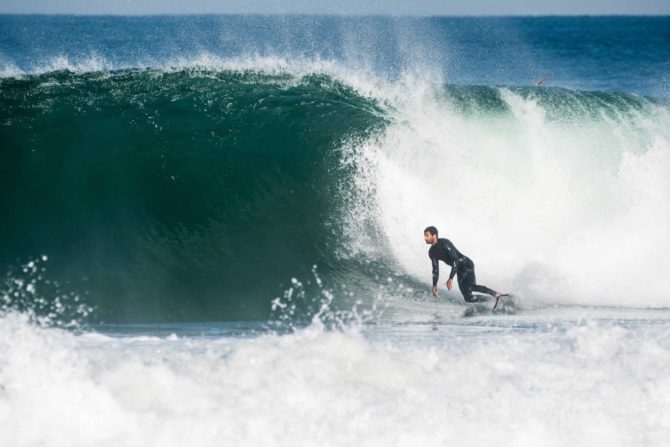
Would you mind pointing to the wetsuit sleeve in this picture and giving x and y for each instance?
(454, 267)
(436, 269)
(453, 271)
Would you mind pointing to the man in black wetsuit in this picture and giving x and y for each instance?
(443, 250)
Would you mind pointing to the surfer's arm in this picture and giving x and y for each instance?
(436, 270)
(451, 249)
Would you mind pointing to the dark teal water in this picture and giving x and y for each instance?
(176, 195)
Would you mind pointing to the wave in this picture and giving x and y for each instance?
(341, 387)
(199, 191)
(177, 194)
(560, 196)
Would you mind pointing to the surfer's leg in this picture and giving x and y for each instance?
(466, 280)
(470, 283)
(467, 293)
(484, 289)
(477, 287)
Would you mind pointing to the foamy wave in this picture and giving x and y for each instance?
(333, 389)
(10, 70)
(92, 63)
(560, 197)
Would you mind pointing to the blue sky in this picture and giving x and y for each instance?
(396, 7)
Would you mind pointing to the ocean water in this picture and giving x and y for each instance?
(212, 230)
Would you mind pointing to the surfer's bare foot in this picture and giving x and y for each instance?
(498, 296)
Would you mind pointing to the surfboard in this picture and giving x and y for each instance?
(504, 306)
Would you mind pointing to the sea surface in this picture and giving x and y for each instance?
(211, 230)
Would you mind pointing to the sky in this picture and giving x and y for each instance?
(340, 7)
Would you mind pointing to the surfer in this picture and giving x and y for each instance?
(541, 81)
(443, 250)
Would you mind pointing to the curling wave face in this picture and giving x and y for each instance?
(198, 192)
(203, 190)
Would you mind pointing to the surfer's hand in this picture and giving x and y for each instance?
(435, 290)
(449, 283)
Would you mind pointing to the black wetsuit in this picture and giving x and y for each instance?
(445, 251)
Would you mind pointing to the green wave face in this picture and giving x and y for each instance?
(175, 195)
(200, 194)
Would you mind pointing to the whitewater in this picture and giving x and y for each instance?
(135, 310)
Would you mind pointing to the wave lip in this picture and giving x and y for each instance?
(463, 50)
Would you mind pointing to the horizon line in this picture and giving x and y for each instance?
(270, 14)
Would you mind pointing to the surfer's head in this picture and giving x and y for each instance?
(430, 235)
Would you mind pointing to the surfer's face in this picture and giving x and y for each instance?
(429, 238)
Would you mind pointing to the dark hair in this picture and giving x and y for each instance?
(432, 230)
